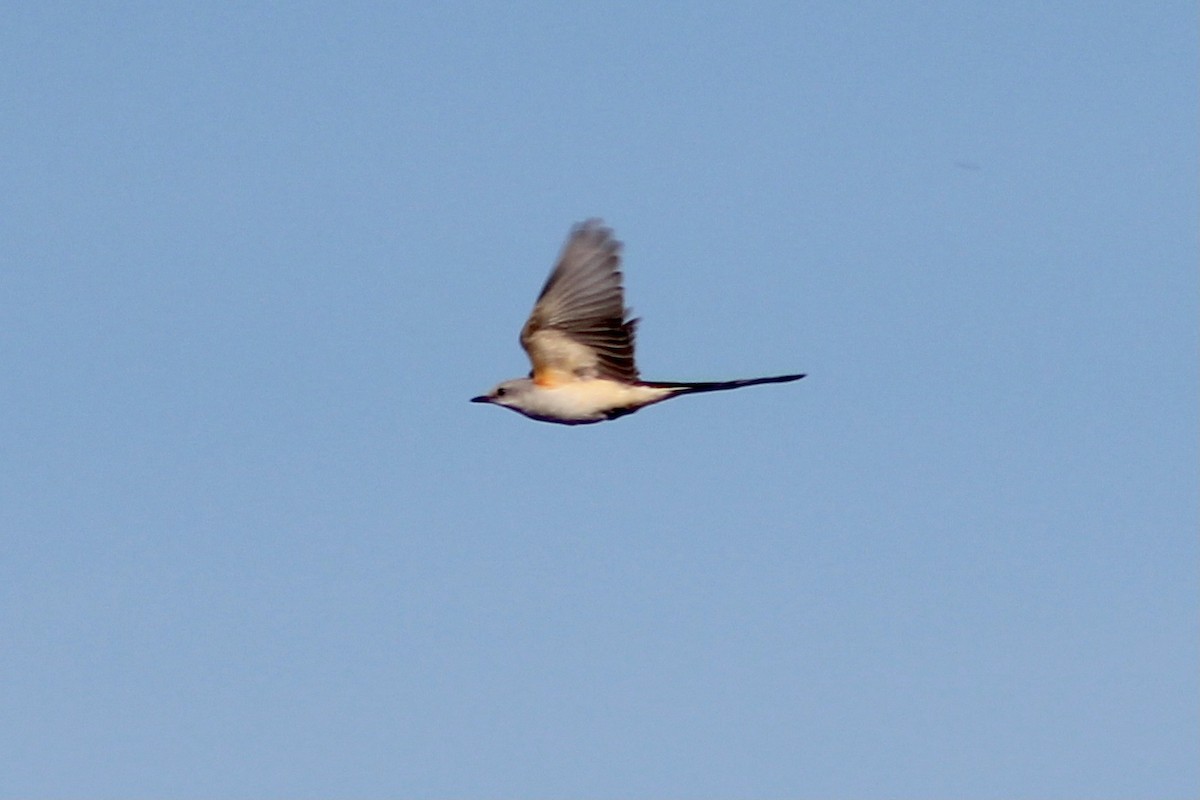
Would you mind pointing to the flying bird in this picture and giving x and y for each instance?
(580, 341)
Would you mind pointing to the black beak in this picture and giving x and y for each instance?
(483, 398)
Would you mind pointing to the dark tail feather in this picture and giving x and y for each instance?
(720, 386)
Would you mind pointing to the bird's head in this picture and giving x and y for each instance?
(508, 394)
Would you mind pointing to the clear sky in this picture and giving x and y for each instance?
(255, 542)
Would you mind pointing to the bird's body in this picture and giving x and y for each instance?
(580, 341)
(576, 402)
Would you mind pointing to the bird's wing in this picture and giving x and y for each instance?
(578, 328)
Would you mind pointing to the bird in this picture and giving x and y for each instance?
(580, 341)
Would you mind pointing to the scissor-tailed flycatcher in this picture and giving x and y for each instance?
(581, 343)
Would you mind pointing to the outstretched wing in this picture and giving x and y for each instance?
(578, 328)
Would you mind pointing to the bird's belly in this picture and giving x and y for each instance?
(591, 400)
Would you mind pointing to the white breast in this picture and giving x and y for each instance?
(588, 400)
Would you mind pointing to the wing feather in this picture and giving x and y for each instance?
(579, 323)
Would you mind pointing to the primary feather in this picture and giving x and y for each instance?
(579, 326)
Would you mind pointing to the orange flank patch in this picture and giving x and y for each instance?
(549, 378)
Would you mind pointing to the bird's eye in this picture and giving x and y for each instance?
(501, 392)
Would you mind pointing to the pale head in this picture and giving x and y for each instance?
(508, 393)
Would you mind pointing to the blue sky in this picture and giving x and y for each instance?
(254, 259)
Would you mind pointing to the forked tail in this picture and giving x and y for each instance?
(720, 386)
